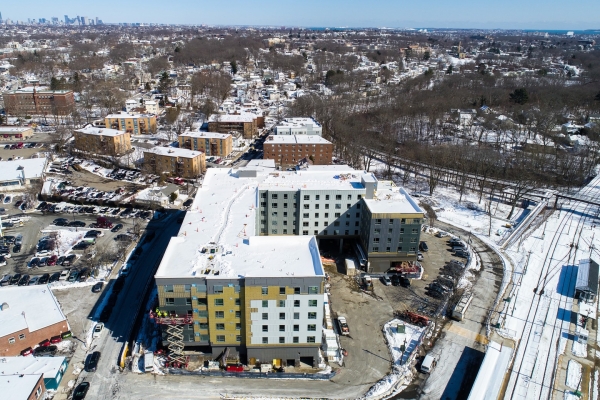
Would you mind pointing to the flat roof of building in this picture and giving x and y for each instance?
(92, 130)
(206, 135)
(245, 117)
(47, 366)
(174, 152)
(14, 129)
(391, 199)
(298, 122)
(29, 307)
(129, 115)
(316, 177)
(43, 90)
(18, 386)
(32, 168)
(296, 139)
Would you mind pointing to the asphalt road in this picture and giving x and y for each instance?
(105, 382)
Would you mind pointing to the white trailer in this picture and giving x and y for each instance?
(460, 310)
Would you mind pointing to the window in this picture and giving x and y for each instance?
(169, 301)
(296, 328)
(336, 223)
(316, 223)
(219, 314)
(281, 303)
(316, 206)
(263, 195)
(237, 302)
(238, 314)
(402, 221)
(326, 215)
(416, 221)
(168, 288)
(326, 197)
(401, 231)
(281, 339)
(317, 197)
(218, 288)
(285, 230)
(282, 290)
(338, 196)
(296, 315)
(389, 240)
(349, 197)
(273, 205)
(203, 325)
(306, 197)
(285, 206)
(296, 291)
(378, 221)
(281, 328)
(348, 205)
(376, 240)
(281, 315)
(220, 327)
(305, 215)
(265, 290)
(265, 340)
(238, 338)
(305, 223)
(38, 392)
(188, 302)
(316, 215)
(265, 316)
(238, 327)
(413, 249)
(307, 206)
(218, 302)
(274, 196)
(312, 303)
(312, 315)
(327, 206)
(274, 214)
(265, 328)
(11, 340)
(313, 290)
(265, 303)
(21, 336)
(296, 339)
(311, 328)
(310, 339)
(305, 233)
(413, 240)
(375, 249)
(221, 338)
(285, 196)
(187, 288)
(337, 215)
(338, 206)
(387, 249)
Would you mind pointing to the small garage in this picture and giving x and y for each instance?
(586, 288)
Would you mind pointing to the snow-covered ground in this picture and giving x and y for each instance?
(401, 373)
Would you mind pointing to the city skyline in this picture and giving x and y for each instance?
(468, 14)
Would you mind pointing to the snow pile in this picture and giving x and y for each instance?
(64, 346)
(571, 396)
(66, 239)
(402, 369)
(573, 374)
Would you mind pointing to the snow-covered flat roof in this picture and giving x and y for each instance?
(245, 117)
(29, 307)
(174, 152)
(298, 121)
(47, 366)
(128, 115)
(296, 139)
(31, 167)
(491, 372)
(17, 386)
(14, 129)
(206, 135)
(390, 199)
(91, 130)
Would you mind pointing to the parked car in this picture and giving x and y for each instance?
(386, 280)
(26, 352)
(24, 280)
(15, 279)
(98, 330)
(77, 224)
(44, 279)
(45, 351)
(5, 281)
(33, 281)
(419, 256)
(91, 363)
(117, 228)
(73, 276)
(17, 248)
(423, 247)
(56, 339)
(84, 274)
(80, 391)
(2, 261)
(123, 238)
(97, 287)
(461, 253)
(54, 277)
(395, 280)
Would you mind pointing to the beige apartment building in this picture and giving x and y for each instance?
(175, 162)
(210, 143)
(102, 141)
(135, 124)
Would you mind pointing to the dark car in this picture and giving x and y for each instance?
(423, 247)
(93, 234)
(62, 223)
(97, 287)
(44, 279)
(58, 220)
(461, 253)
(18, 203)
(123, 238)
(404, 281)
(188, 202)
(117, 228)
(15, 279)
(54, 277)
(24, 280)
(395, 280)
(45, 351)
(92, 361)
(42, 205)
(77, 224)
(84, 274)
(34, 262)
(81, 390)
(17, 248)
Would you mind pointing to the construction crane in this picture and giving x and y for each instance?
(175, 324)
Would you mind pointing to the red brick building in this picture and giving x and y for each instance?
(38, 101)
(28, 316)
(289, 150)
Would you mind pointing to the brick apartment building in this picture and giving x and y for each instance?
(181, 163)
(38, 101)
(289, 150)
(210, 143)
(23, 386)
(28, 316)
(135, 124)
(246, 123)
(102, 141)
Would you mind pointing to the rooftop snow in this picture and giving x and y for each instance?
(18, 386)
(29, 307)
(245, 117)
(296, 139)
(298, 122)
(206, 135)
(90, 130)
(48, 366)
(174, 152)
(391, 199)
(128, 115)
(12, 170)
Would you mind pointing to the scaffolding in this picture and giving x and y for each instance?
(175, 324)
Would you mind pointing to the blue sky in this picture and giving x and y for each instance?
(518, 14)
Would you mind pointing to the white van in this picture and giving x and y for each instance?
(428, 364)
(148, 361)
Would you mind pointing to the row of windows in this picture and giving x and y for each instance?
(12, 339)
(306, 206)
(275, 196)
(402, 221)
(265, 340)
(311, 315)
(282, 290)
(200, 288)
(389, 240)
(389, 249)
(296, 328)
(377, 231)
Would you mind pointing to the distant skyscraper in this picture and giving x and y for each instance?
(66, 20)
(0, 17)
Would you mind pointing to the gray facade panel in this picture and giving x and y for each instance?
(268, 354)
